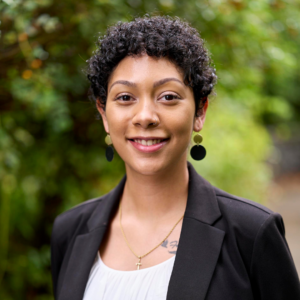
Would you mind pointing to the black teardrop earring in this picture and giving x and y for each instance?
(109, 152)
(198, 152)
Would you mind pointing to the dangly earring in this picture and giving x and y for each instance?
(109, 152)
(198, 152)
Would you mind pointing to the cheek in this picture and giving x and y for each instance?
(116, 125)
(180, 123)
(184, 133)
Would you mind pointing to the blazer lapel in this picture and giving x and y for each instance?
(86, 245)
(195, 261)
(80, 263)
(200, 243)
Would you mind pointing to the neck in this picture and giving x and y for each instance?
(151, 197)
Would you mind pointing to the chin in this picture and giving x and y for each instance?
(148, 166)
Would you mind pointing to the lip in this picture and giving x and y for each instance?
(146, 138)
(145, 148)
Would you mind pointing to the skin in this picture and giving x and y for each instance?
(147, 98)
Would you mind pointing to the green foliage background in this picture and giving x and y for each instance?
(52, 147)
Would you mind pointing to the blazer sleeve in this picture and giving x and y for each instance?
(56, 256)
(273, 271)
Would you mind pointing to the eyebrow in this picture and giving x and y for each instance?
(156, 83)
(163, 81)
(125, 82)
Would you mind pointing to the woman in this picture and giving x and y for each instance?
(164, 232)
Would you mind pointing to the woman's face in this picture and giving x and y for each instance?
(150, 114)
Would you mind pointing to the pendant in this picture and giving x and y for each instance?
(138, 264)
(109, 153)
(198, 152)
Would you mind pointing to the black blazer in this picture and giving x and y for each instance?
(230, 248)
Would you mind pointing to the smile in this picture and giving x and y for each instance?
(147, 142)
(148, 145)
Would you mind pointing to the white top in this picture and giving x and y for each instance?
(151, 283)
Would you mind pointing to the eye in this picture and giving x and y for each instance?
(170, 97)
(124, 98)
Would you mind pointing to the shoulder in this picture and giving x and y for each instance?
(241, 211)
(254, 246)
(247, 225)
(73, 220)
(244, 221)
(85, 216)
(81, 211)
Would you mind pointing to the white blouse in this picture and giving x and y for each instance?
(151, 283)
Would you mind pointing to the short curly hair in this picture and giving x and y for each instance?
(158, 36)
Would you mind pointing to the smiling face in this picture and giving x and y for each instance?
(150, 114)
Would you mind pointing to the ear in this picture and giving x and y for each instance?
(200, 117)
(101, 110)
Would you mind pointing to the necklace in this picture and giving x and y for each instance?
(138, 264)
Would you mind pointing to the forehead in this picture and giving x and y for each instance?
(145, 69)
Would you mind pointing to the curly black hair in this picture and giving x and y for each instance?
(158, 36)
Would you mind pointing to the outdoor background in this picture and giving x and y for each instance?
(52, 150)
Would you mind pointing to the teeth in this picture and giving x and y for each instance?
(148, 142)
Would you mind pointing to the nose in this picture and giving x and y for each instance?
(145, 115)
